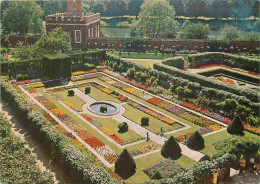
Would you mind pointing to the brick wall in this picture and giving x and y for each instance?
(151, 44)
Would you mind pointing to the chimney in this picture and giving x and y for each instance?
(70, 8)
(78, 6)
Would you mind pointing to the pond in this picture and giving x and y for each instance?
(111, 109)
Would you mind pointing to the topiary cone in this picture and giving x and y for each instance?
(171, 149)
(125, 164)
(236, 126)
(196, 141)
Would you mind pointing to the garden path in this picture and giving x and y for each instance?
(195, 155)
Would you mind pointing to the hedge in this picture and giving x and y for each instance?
(226, 59)
(197, 173)
(78, 167)
(19, 159)
(175, 62)
(205, 81)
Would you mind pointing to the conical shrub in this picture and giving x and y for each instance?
(125, 164)
(171, 149)
(196, 141)
(236, 126)
(156, 176)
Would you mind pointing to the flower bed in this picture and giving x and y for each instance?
(106, 131)
(144, 149)
(254, 130)
(117, 139)
(154, 101)
(189, 105)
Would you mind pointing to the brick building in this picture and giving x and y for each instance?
(81, 26)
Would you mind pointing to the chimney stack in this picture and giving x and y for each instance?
(78, 6)
(70, 8)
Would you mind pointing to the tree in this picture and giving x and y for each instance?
(52, 6)
(171, 149)
(116, 8)
(134, 7)
(125, 164)
(145, 121)
(194, 31)
(23, 17)
(195, 8)
(230, 32)
(123, 127)
(240, 9)
(178, 6)
(218, 8)
(252, 37)
(196, 141)
(156, 20)
(57, 41)
(99, 8)
(71, 93)
(236, 126)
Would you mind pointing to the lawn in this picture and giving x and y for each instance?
(75, 100)
(154, 124)
(144, 62)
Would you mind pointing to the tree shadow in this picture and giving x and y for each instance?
(122, 131)
(126, 176)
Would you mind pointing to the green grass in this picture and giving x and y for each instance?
(144, 62)
(141, 55)
(75, 100)
(154, 124)
(144, 162)
(111, 124)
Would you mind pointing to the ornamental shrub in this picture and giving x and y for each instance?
(89, 66)
(145, 121)
(236, 126)
(157, 176)
(196, 141)
(21, 77)
(87, 90)
(71, 93)
(123, 127)
(171, 149)
(125, 164)
(103, 108)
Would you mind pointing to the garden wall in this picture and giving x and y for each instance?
(152, 44)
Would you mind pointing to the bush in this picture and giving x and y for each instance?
(123, 127)
(196, 141)
(89, 66)
(145, 121)
(21, 77)
(103, 108)
(125, 164)
(175, 62)
(236, 126)
(171, 149)
(157, 176)
(71, 93)
(87, 90)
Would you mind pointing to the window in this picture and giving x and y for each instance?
(88, 32)
(92, 32)
(77, 36)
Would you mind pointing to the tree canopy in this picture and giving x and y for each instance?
(23, 17)
(156, 20)
(194, 31)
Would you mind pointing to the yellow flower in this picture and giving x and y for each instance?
(68, 104)
(106, 131)
(38, 85)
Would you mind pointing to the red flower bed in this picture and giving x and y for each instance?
(230, 81)
(87, 118)
(226, 120)
(154, 101)
(48, 117)
(117, 139)
(112, 159)
(216, 64)
(92, 71)
(181, 137)
(23, 82)
(143, 86)
(121, 98)
(189, 105)
(32, 91)
(254, 73)
(89, 139)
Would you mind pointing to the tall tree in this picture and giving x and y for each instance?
(116, 8)
(178, 6)
(125, 164)
(195, 8)
(23, 17)
(99, 8)
(134, 7)
(171, 149)
(53, 6)
(156, 20)
(218, 8)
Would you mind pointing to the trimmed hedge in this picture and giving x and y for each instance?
(78, 167)
(175, 62)
(226, 59)
(205, 81)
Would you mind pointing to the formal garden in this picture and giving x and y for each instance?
(139, 110)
